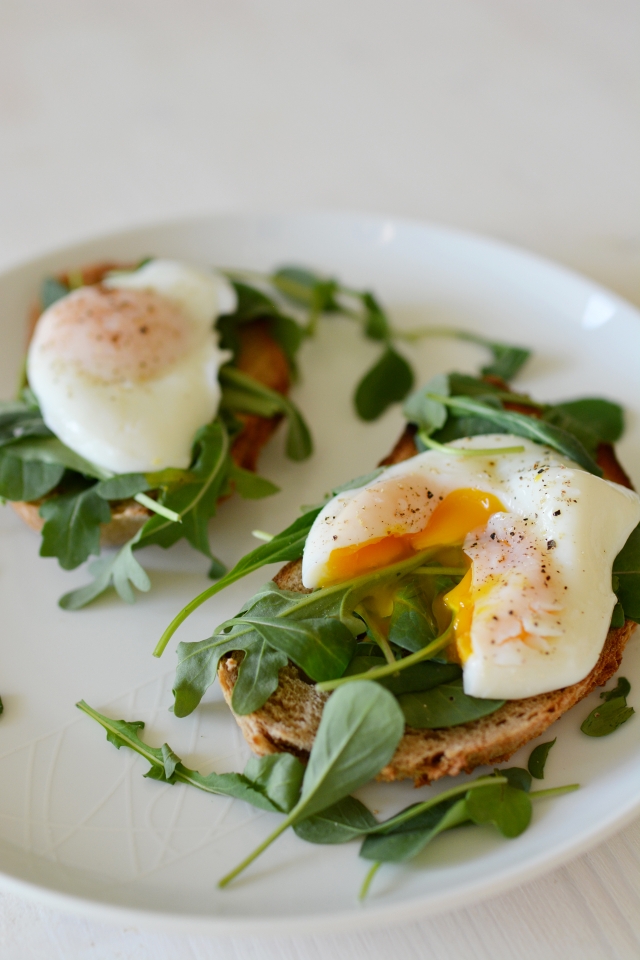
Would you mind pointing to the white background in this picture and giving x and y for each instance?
(510, 117)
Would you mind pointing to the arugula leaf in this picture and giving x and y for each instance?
(71, 530)
(195, 502)
(121, 571)
(243, 394)
(250, 485)
(388, 381)
(339, 823)
(123, 486)
(516, 777)
(412, 625)
(360, 729)
(376, 325)
(428, 414)
(606, 718)
(19, 421)
(26, 479)
(617, 617)
(193, 495)
(419, 677)
(591, 419)
(621, 689)
(321, 646)
(508, 807)
(410, 838)
(306, 289)
(52, 451)
(507, 360)
(404, 835)
(51, 291)
(523, 426)
(538, 758)
(287, 545)
(446, 705)
(258, 673)
(626, 569)
(279, 775)
(270, 783)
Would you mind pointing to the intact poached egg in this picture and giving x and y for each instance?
(126, 371)
(537, 532)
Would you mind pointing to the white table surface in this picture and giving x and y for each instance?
(517, 118)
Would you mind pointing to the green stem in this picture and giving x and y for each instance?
(364, 889)
(256, 853)
(554, 791)
(156, 507)
(466, 451)
(441, 571)
(425, 654)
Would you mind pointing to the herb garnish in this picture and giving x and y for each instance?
(538, 759)
(270, 783)
(360, 729)
(391, 377)
(606, 718)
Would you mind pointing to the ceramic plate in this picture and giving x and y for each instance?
(80, 828)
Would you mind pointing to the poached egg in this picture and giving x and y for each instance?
(537, 533)
(126, 371)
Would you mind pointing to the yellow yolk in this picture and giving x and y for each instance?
(460, 602)
(460, 511)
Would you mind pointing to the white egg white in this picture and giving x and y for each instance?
(125, 374)
(541, 569)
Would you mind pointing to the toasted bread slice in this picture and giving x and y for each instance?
(289, 719)
(260, 357)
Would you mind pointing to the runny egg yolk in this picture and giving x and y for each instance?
(458, 513)
(461, 601)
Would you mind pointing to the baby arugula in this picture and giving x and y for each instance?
(34, 464)
(360, 729)
(77, 495)
(311, 295)
(270, 783)
(610, 715)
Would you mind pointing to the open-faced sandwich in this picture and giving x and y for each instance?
(432, 616)
(132, 422)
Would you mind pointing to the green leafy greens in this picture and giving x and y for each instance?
(359, 731)
(606, 718)
(311, 295)
(538, 759)
(270, 783)
(77, 495)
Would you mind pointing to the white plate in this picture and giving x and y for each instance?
(79, 826)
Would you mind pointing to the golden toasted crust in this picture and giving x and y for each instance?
(259, 356)
(289, 719)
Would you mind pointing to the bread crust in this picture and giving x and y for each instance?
(289, 719)
(259, 356)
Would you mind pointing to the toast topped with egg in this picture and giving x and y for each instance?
(471, 575)
(259, 356)
(289, 719)
(135, 418)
